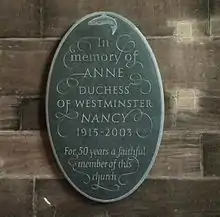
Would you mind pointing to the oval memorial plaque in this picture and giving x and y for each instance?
(105, 107)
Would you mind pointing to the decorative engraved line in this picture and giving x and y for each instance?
(59, 130)
(122, 50)
(97, 186)
(138, 82)
(136, 119)
(80, 172)
(134, 64)
(61, 116)
(128, 42)
(78, 74)
(71, 51)
(104, 19)
(66, 82)
(86, 41)
(127, 174)
(148, 131)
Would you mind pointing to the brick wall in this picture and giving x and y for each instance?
(185, 181)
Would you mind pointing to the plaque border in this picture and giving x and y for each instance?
(159, 79)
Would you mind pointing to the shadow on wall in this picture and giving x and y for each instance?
(170, 111)
(209, 105)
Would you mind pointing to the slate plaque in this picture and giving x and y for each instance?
(105, 107)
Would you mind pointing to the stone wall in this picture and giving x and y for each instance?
(185, 181)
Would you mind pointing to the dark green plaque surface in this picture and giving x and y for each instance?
(105, 107)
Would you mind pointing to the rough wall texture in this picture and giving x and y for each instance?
(185, 181)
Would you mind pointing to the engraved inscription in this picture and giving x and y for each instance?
(135, 110)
